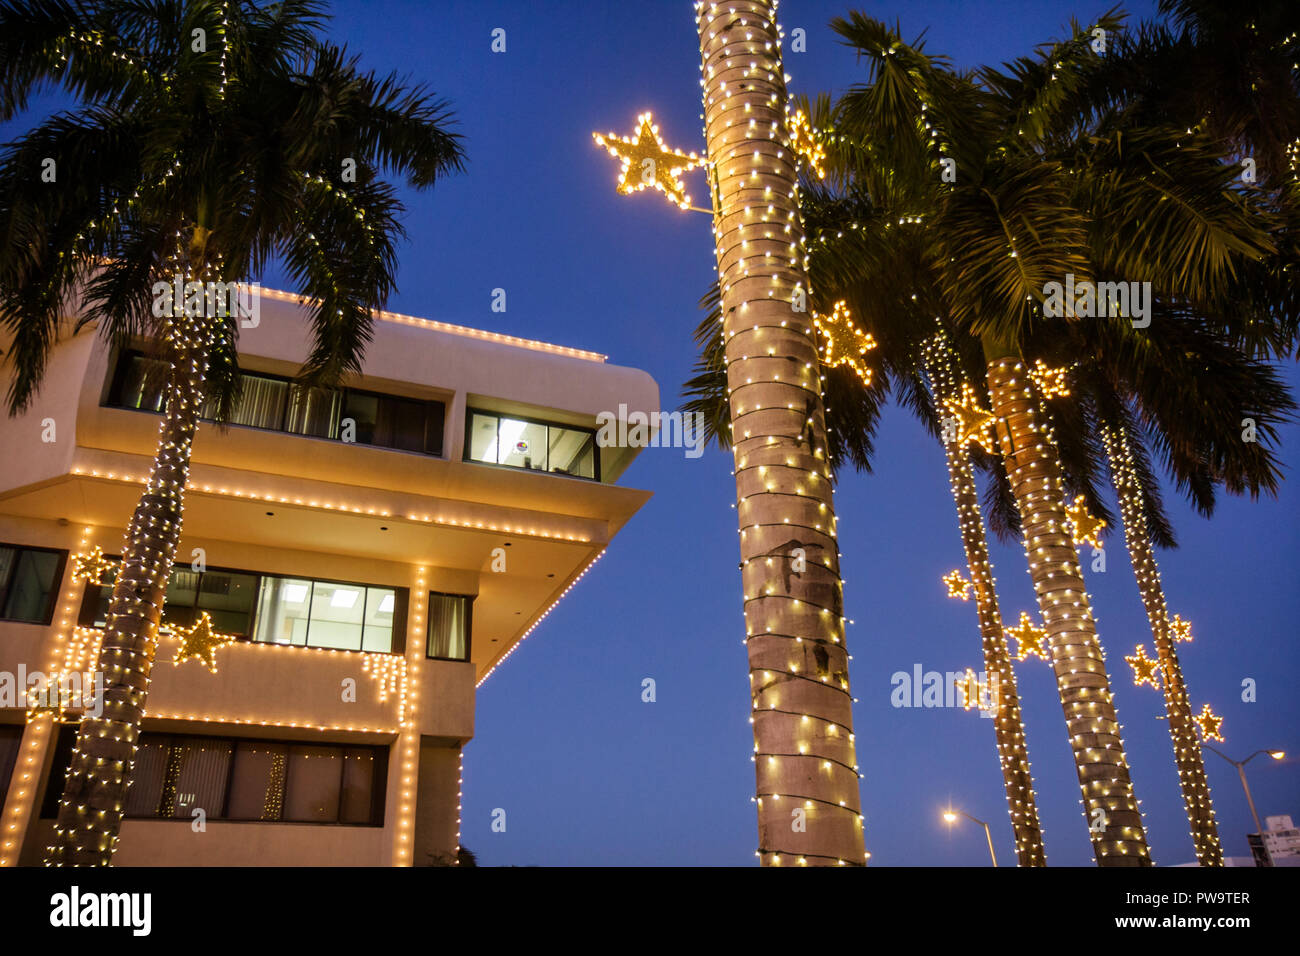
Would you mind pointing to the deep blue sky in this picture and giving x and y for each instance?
(587, 772)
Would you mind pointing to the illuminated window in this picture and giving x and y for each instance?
(271, 609)
(496, 439)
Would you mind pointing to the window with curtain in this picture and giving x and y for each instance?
(449, 626)
(28, 581)
(240, 779)
(275, 403)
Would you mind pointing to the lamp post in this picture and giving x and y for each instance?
(950, 816)
(1241, 770)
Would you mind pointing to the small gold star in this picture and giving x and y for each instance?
(1180, 630)
(1050, 381)
(200, 643)
(1086, 528)
(972, 421)
(1030, 638)
(958, 587)
(1145, 670)
(968, 688)
(1208, 724)
(648, 163)
(843, 343)
(803, 140)
(89, 565)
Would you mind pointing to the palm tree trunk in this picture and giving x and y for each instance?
(806, 770)
(1035, 475)
(1007, 721)
(90, 814)
(1187, 749)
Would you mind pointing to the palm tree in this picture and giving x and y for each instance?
(1046, 188)
(859, 260)
(1190, 388)
(210, 138)
(806, 770)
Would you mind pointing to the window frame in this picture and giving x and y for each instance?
(471, 411)
(469, 627)
(117, 379)
(401, 605)
(55, 585)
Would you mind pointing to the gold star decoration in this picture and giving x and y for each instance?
(972, 421)
(843, 343)
(958, 587)
(804, 141)
(974, 692)
(1145, 670)
(1180, 630)
(1050, 381)
(200, 643)
(89, 565)
(648, 163)
(1208, 724)
(1086, 529)
(968, 688)
(1030, 638)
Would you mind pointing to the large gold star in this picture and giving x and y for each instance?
(89, 565)
(958, 587)
(1180, 630)
(200, 643)
(1208, 724)
(1086, 528)
(972, 421)
(1145, 670)
(1030, 638)
(648, 163)
(843, 343)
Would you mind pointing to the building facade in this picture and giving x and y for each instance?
(371, 554)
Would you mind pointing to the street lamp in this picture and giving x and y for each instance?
(950, 816)
(1241, 769)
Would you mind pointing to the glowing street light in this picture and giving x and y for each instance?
(1241, 770)
(950, 816)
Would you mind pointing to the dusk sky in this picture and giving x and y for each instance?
(586, 771)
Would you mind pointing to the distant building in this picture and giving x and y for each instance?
(375, 550)
(1278, 845)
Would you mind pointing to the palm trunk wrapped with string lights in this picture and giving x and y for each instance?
(1008, 723)
(1187, 748)
(94, 796)
(806, 769)
(1118, 836)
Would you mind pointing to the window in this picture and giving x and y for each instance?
(275, 403)
(273, 609)
(11, 738)
(350, 617)
(243, 780)
(29, 578)
(227, 596)
(449, 626)
(535, 446)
